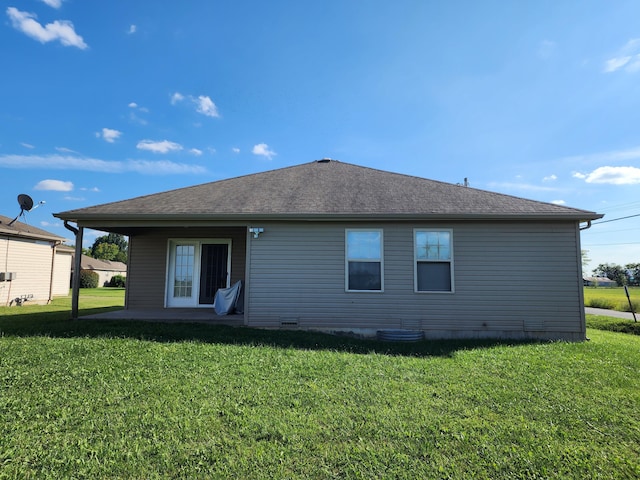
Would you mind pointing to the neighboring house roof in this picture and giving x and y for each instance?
(599, 280)
(325, 189)
(23, 230)
(88, 263)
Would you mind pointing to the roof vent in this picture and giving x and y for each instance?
(324, 160)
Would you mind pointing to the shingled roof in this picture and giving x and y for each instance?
(23, 230)
(322, 189)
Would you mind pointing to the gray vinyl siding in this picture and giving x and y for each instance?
(147, 268)
(510, 279)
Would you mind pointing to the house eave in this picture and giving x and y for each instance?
(160, 220)
(30, 236)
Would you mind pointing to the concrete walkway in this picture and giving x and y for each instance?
(611, 313)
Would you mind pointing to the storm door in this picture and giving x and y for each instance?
(196, 269)
(214, 274)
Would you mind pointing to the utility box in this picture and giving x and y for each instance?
(8, 276)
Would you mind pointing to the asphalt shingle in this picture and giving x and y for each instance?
(327, 188)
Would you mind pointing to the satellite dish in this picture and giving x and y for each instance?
(26, 204)
(25, 201)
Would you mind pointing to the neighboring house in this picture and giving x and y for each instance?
(34, 265)
(106, 269)
(599, 282)
(333, 246)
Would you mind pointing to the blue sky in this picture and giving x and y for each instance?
(103, 101)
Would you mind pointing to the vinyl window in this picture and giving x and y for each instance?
(433, 250)
(364, 265)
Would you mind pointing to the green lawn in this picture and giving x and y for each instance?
(612, 298)
(82, 399)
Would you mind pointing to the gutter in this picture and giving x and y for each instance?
(587, 226)
(123, 220)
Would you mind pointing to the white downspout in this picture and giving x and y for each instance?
(53, 269)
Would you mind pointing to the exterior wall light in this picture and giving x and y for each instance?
(256, 231)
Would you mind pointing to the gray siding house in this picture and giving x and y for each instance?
(333, 246)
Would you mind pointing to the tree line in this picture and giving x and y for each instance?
(113, 247)
(628, 274)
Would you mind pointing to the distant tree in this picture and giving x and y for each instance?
(106, 251)
(612, 272)
(585, 259)
(633, 273)
(85, 251)
(110, 247)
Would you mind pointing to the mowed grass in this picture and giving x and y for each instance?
(82, 399)
(613, 298)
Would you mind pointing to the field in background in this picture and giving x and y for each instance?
(612, 298)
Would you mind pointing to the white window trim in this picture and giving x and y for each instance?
(415, 261)
(346, 259)
(197, 242)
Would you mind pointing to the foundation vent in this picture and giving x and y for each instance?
(289, 322)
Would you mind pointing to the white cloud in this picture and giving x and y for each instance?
(62, 162)
(135, 118)
(206, 106)
(263, 150)
(628, 58)
(195, 151)
(558, 202)
(65, 150)
(616, 63)
(54, 185)
(61, 30)
(203, 103)
(27, 145)
(176, 97)
(611, 175)
(165, 146)
(163, 167)
(235, 150)
(132, 29)
(53, 3)
(550, 178)
(109, 135)
(94, 189)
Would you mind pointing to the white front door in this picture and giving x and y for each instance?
(196, 269)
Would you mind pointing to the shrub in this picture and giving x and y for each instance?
(89, 279)
(625, 307)
(620, 325)
(601, 303)
(117, 281)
